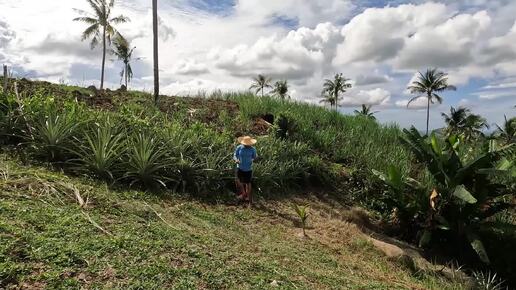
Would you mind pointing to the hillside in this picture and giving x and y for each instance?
(104, 188)
(130, 239)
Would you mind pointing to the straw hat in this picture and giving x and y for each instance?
(246, 140)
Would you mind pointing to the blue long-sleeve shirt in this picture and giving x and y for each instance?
(245, 156)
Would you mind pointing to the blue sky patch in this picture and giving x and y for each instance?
(285, 21)
(219, 7)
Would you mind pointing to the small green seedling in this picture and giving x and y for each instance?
(302, 213)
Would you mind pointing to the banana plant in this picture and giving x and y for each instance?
(465, 194)
(407, 198)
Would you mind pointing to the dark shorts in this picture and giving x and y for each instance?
(244, 176)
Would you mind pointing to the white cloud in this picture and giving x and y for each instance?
(196, 86)
(190, 67)
(379, 34)
(377, 96)
(495, 95)
(6, 37)
(446, 45)
(501, 86)
(297, 55)
(372, 79)
(417, 104)
(308, 13)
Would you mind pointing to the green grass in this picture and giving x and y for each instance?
(47, 240)
(351, 140)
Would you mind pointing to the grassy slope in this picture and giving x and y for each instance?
(47, 240)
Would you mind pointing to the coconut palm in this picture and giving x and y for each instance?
(366, 112)
(334, 87)
(427, 86)
(281, 89)
(462, 122)
(124, 53)
(100, 27)
(328, 99)
(455, 120)
(507, 133)
(260, 82)
(155, 48)
(473, 126)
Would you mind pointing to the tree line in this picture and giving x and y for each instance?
(428, 85)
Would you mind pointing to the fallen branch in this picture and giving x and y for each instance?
(95, 224)
(159, 216)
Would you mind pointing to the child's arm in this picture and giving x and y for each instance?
(236, 155)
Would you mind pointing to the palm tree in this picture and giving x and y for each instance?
(328, 99)
(507, 133)
(427, 86)
(260, 82)
(334, 87)
(455, 121)
(473, 125)
(155, 47)
(366, 112)
(462, 122)
(100, 27)
(281, 89)
(124, 53)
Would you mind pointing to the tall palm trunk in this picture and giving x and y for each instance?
(103, 57)
(336, 99)
(262, 91)
(155, 41)
(428, 113)
(126, 75)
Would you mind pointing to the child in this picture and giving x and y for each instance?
(244, 156)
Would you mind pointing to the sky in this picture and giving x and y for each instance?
(208, 45)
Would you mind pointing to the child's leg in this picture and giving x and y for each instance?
(239, 186)
(249, 193)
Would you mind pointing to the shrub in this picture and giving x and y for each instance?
(285, 125)
(12, 122)
(100, 149)
(52, 134)
(145, 161)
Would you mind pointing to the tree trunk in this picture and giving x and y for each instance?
(336, 100)
(155, 41)
(6, 79)
(126, 75)
(428, 113)
(103, 57)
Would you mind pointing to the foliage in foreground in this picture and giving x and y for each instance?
(465, 197)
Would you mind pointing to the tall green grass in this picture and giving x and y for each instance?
(350, 140)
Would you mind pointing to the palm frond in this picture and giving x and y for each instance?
(120, 19)
(97, 7)
(413, 99)
(86, 19)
